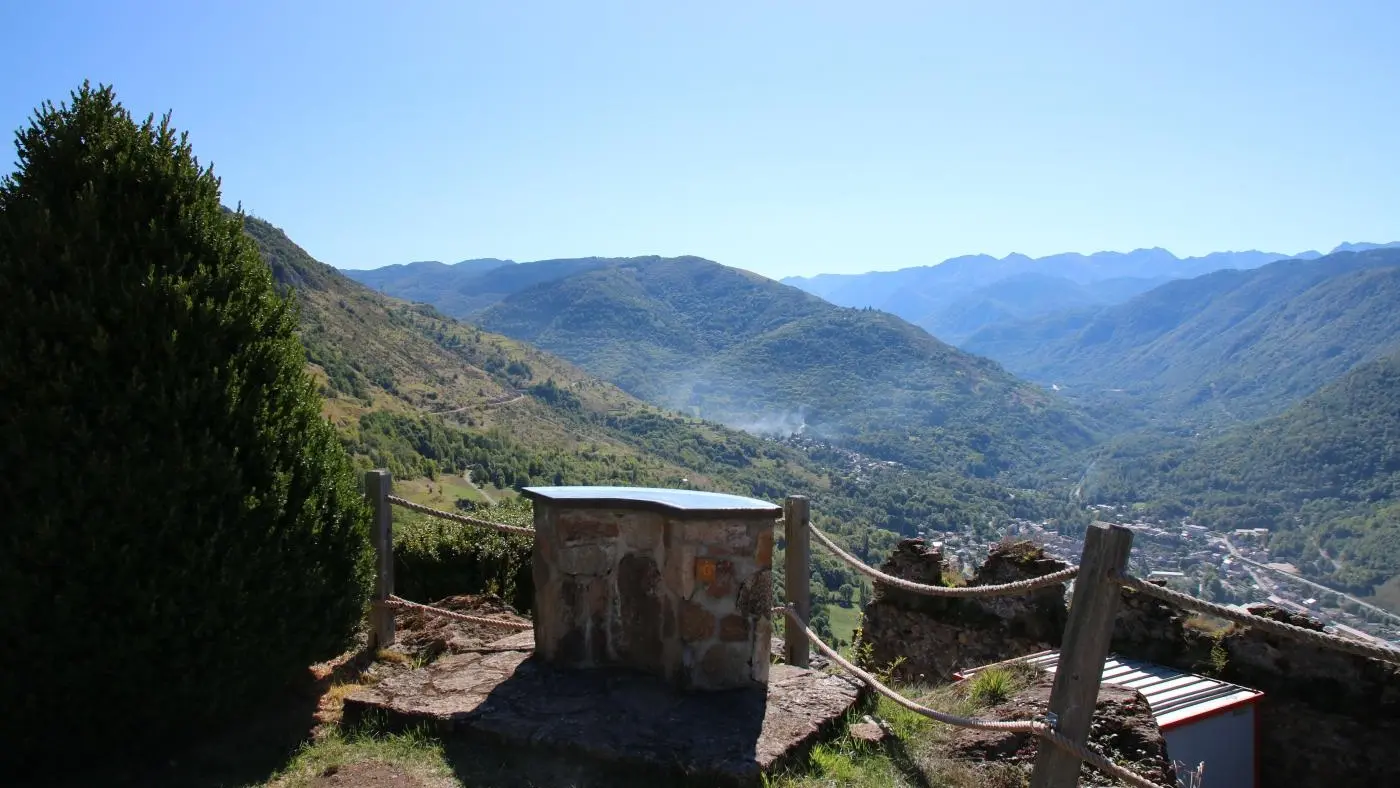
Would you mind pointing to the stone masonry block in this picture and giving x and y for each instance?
(675, 593)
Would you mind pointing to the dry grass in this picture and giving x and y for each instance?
(1208, 625)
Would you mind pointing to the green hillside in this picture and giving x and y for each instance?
(1324, 475)
(1227, 347)
(463, 289)
(735, 347)
(457, 412)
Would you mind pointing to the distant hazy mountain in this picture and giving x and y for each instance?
(964, 294)
(742, 349)
(429, 281)
(1235, 344)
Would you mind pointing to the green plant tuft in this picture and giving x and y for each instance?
(991, 686)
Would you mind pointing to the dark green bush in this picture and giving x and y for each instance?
(183, 533)
(436, 558)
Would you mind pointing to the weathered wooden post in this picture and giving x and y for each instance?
(1093, 609)
(797, 516)
(377, 487)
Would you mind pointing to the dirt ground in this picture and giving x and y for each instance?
(367, 775)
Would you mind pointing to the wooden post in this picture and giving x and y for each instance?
(1082, 653)
(797, 575)
(377, 487)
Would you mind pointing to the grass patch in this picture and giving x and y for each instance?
(440, 493)
(415, 752)
(916, 757)
(844, 621)
(992, 685)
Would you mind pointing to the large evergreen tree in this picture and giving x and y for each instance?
(182, 532)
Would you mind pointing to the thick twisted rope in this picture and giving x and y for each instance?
(1034, 727)
(1260, 622)
(458, 518)
(399, 603)
(1004, 589)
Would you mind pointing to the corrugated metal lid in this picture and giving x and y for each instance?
(1174, 696)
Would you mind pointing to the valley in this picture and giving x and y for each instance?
(1181, 385)
(440, 402)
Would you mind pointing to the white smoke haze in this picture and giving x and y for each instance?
(694, 394)
(780, 424)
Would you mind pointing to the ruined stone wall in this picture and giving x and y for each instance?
(1327, 720)
(936, 637)
(685, 599)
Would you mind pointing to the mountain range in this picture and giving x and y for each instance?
(1230, 346)
(1180, 389)
(1324, 474)
(735, 347)
(451, 408)
(959, 296)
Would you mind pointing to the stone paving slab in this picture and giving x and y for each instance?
(616, 718)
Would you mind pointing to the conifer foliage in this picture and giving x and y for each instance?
(183, 533)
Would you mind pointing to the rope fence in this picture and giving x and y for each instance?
(399, 603)
(457, 518)
(1099, 578)
(379, 493)
(1004, 589)
(1183, 600)
(1037, 728)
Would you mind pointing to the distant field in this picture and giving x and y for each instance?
(443, 492)
(844, 621)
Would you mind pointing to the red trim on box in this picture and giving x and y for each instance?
(1257, 760)
(1212, 713)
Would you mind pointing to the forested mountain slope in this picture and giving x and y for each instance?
(417, 392)
(463, 289)
(733, 346)
(1226, 347)
(1324, 475)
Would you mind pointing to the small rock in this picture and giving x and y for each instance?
(867, 733)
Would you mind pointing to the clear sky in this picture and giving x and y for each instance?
(782, 137)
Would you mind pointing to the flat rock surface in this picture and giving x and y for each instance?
(616, 718)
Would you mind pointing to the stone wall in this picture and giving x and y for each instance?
(936, 637)
(686, 599)
(1327, 719)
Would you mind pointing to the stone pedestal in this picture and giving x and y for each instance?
(675, 583)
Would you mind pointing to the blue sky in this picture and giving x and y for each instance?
(782, 137)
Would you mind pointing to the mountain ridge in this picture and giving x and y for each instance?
(734, 346)
(1154, 251)
(1323, 475)
(415, 391)
(1250, 341)
(947, 299)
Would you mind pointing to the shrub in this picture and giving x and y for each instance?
(435, 558)
(183, 531)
